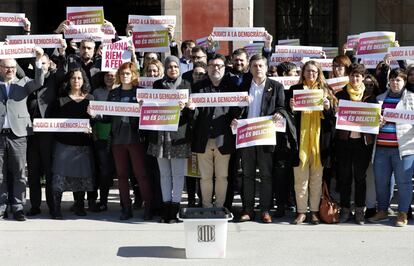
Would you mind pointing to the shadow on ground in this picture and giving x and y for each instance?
(152, 252)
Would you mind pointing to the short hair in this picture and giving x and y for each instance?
(155, 62)
(200, 64)
(85, 86)
(285, 68)
(356, 68)
(258, 57)
(88, 40)
(198, 48)
(186, 43)
(239, 52)
(398, 72)
(218, 56)
(342, 60)
(134, 71)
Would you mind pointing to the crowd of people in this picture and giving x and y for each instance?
(60, 83)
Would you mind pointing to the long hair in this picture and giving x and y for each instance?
(327, 91)
(134, 71)
(85, 89)
(156, 63)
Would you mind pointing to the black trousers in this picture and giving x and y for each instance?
(105, 169)
(252, 158)
(233, 180)
(39, 163)
(353, 160)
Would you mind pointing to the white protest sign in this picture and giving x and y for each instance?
(287, 81)
(239, 34)
(115, 54)
(399, 116)
(162, 96)
(278, 58)
(17, 51)
(12, 19)
(60, 125)
(220, 99)
(114, 108)
(146, 82)
(255, 131)
(43, 41)
(152, 22)
(401, 53)
(291, 42)
(358, 116)
(299, 51)
(338, 83)
(159, 116)
(92, 31)
(375, 43)
(85, 15)
(372, 62)
(326, 64)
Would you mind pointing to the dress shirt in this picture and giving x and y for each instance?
(256, 95)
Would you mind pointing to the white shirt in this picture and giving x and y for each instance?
(256, 95)
(6, 118)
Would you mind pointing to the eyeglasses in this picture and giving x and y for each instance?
(198, 74)
(197, 57)
(219, 66)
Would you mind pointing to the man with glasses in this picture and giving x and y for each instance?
(198, 54)
(15, 126)
(213, 140)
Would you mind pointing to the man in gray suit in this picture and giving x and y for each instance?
(15, 126)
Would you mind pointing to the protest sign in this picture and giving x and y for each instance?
(17, 51)
(401, 53)
(159, 116)
(220, 99)
(399, 116)
(146, 82)
(85, 15)
(308, 100)
(204, 42)
(291, 42)
(287, 81)
(255, 131)
(151, 40)
(60, 125)
(326, 64)
(152, 22)
(82, 32)
(239, 34)
(352, 41)
(278, 58)
(162, 96)
(12, 19)
(372, 62)
(330, 52)
(299, 51)
(338, 83)
(43, 41)
(108, 32)
(358, 116)
(374, 43)
(115, 54)
(114, 108)
(254, 48)
(191, 166)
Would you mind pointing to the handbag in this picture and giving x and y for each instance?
(328, 209)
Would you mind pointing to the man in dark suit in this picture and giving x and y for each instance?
(266, 99)
(15, 126)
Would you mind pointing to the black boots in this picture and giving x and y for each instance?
(169, 212)
(57, 199)
(79, 206)
(126, 211)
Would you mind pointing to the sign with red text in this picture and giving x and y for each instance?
(151, 40)
(60, 125)
(82, 32)
(255, 131)
(85, 15)
(352, 41)
(372, 62)
(299, 51)
(358, 116)
(254, 48)
(330, 52)
(220, 99)
(12, 19)
(398, 116)
(43, 41)
(338, 83)
(402, 53)
(146, 82)
(115, 54)
(153, 22)
(162, 96)
(291, 42)
(114, 108)
(17, 51)
(108, 32)
(326, 64)
(191, 166)
(159, 116)
(278, 58)
(239, 34)
(308, 100)
(375, 43)
(287, 81)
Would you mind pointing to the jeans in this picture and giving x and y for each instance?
(387, 161)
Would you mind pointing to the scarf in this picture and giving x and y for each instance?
(310, 131)
(355, 93)
(167, 82)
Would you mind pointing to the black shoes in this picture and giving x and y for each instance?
(33, 211)
(126, 214)
(19, 216)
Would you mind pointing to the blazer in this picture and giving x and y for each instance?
(15, 104)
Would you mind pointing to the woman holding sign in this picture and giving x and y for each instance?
(314, 133)
(354, 150)
(172, 148)
(72, 158)
(127, 145)
(394, 151)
